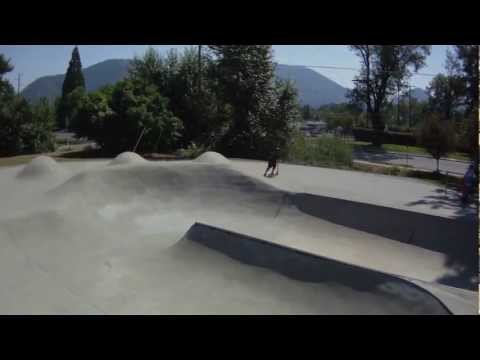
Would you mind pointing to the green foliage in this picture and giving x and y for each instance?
(5, 65)
(436, 136)
(464, 63)
(192, 151)
(191, 85)
(467, 136)
(23, 129)
(69, 105)
(89, 120)
(6, 89)
(117, 122)
(279, 124)
(446, 94)
(39, 131)
(307, 112)
(326, 151)
(147, 69)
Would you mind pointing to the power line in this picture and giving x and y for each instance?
(356, 69)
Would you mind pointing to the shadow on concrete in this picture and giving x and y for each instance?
(455, 238)
(449, 199)
(307, 267)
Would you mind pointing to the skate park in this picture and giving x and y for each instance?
(213, 236)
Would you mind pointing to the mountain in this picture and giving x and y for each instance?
(96, 76)
(314, 89)
(419, 94)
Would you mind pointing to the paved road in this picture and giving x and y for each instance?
(417, 161)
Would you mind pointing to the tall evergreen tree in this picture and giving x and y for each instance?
(73, 79)
(74, 76)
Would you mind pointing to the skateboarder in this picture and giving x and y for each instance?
(273, 163)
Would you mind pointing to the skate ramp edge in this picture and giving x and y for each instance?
(302, 266)
(440, 234)
(455, 238)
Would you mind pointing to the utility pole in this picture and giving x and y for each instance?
(398, 103)
(409, 105)
(409, 112)
(199, 68)
(18, 83)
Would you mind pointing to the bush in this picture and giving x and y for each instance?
(328, 151)
(437, 137)
(192, 151)
(467, 136)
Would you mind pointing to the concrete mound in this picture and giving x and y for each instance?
(198, 187)
(128, 158)
(212, 157)
(41, 166)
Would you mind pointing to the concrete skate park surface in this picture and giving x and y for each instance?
(212, 236)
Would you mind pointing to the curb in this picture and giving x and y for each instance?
(427, 157)
(416, 155)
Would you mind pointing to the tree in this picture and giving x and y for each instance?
(464, 63)
(14, 113)
(38, 136)
(246, 77)
(437, 136)
(148, 68)
(445, 94)
(74, 76)
(286, 113)
(73, 79)
(384, 71)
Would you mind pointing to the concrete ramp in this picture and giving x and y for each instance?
(456, 238)
(305, 267)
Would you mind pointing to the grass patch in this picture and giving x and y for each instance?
(322, 151)
(337, 153)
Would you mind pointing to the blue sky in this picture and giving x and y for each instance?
(33, 61)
